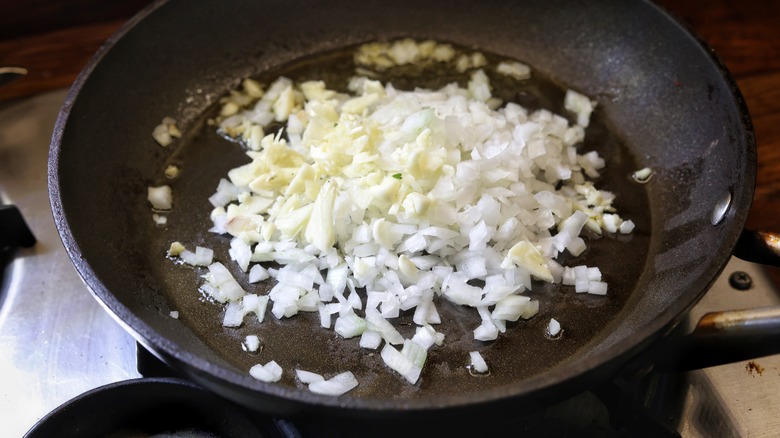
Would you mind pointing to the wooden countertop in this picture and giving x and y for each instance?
(745, 35)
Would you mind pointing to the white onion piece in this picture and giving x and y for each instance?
(350, 325)
(335, 386)
(308, 377)
(258, 273)
(554, 327)
(597, 288)
(252, 343)
(270, 372)
(626, 227)
(160, 197)
(400, 363)
(370, 339)
(188, 257)
(203, 256)
(478, 362)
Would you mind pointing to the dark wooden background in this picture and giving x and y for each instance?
(54, 40)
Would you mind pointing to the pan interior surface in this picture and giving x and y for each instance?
(664, 103)
(299, 342)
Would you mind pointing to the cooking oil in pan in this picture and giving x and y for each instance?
(523, 351)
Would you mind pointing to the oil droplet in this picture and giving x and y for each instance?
(476, 373)
(553, 337)
(642, 176)
(554, 331)
(252, 348)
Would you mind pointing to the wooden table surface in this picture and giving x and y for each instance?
(745, 35)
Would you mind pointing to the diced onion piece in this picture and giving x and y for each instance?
(335, 386)
(487, 331)
(160, 197)
(164, 132)
(188, 257)
(308, 377)
(580, 105)
(425, 336)
(516, 70)
(252, 343)
(401, 364)
(554, 327)
(174, 314)
(528, 257)
(350, 325)
(203, 256)
(597, 288)
(258, 273)
(270, 372)
(477, 362)
(171, 171)
(370, 339)
(626, 227)
(643, 174)
(379, 324)
(236, 311)
(511, 307)
(227, 286)
(175, 249)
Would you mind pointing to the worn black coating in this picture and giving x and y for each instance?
(661, 92)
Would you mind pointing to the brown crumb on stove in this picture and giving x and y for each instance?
(754, 366)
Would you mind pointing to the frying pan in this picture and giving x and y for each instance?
(664, 102)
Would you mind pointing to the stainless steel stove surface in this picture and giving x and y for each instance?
(56, 341)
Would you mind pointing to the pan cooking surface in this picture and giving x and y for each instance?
(299, 342)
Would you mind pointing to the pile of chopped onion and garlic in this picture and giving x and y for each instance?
(383, 201)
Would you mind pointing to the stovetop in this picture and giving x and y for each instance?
(56, 341)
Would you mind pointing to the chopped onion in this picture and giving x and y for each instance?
(410, 196)
(270, 372)
(516, 70)
(258, 273)
(175, 249)
(350, 325)
(252, 343)
(308, 377)
(400, 363)
(553, 328)
(477, 362)
(336, 385)
(370, 339)
(160, 197)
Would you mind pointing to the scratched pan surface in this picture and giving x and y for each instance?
(664, 102)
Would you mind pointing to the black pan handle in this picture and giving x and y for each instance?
(759, 247)
(733, 335)
(720, 338)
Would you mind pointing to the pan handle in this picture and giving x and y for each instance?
(722, 337)
(733, 335)
(759, 247)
